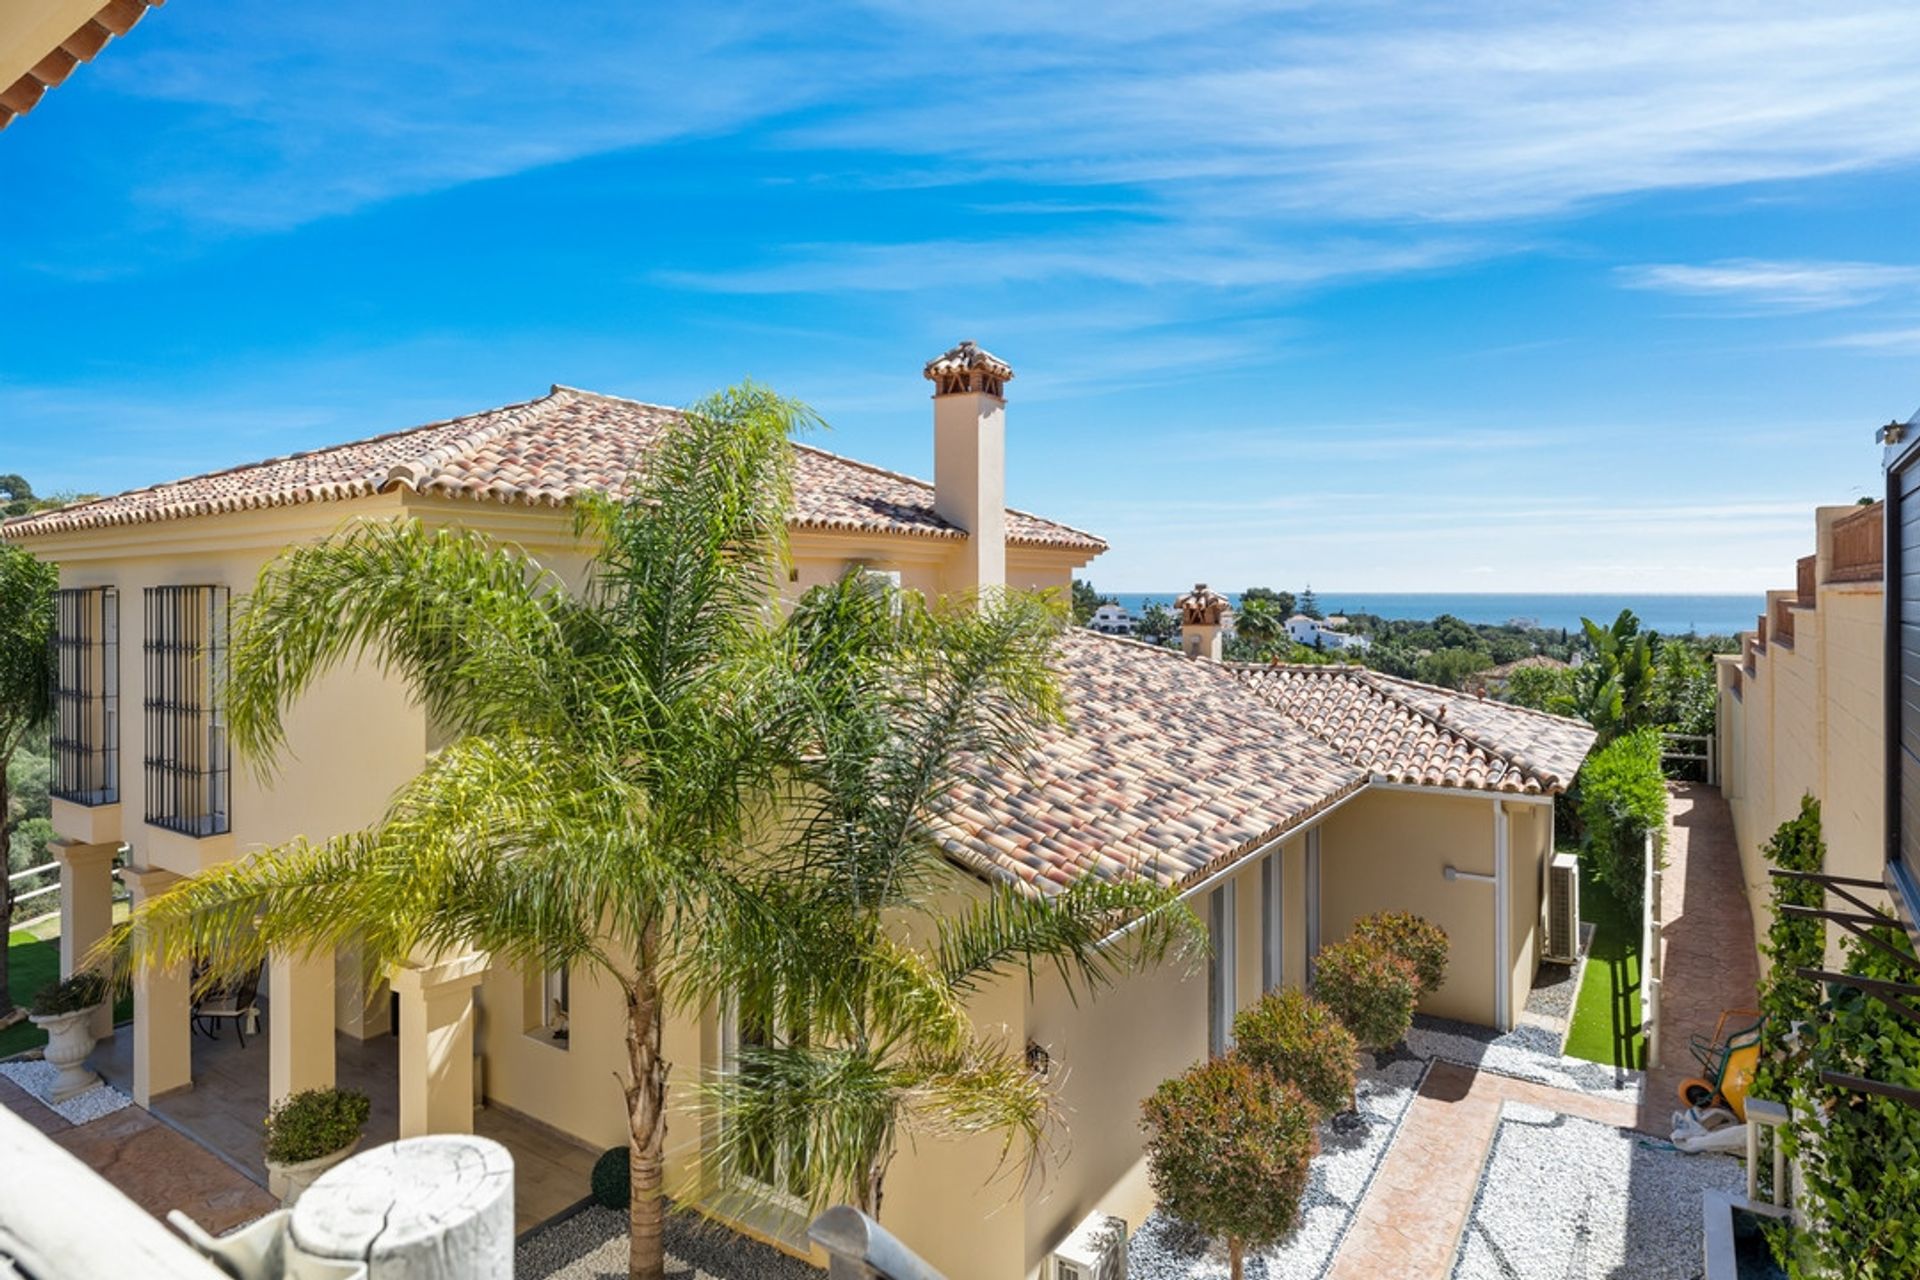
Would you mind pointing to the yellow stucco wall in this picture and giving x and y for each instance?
(1389, 848)
(1808, 720)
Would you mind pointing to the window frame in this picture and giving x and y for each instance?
(1221, 1003)
(187, 756)
(86, 688)
(1901, 876)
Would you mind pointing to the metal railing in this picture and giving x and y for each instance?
(1693, 748)
(31, 894)
(858, 1248)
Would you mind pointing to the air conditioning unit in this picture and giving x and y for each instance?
(1097, 1250)
(1563, 910)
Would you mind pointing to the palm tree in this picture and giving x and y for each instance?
(854, 963)
(604, 752)
(1258, 621)
(26, 686)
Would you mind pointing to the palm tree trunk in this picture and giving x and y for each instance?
(646, 1120)
(1234, 1251)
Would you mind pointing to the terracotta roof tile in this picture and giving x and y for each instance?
(540, 453)
(1173, 768)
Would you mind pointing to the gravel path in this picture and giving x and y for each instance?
(1525, 1053)
(37, 1077)
(1567, 1199)
(592, 1245)
(1351, 1152)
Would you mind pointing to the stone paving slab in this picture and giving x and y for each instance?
(1708, 964)
(156, 1167)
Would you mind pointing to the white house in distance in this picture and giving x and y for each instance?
(1317, 633)
(1112, 620)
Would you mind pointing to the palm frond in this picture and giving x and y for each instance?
(477, 631)
(1089, 933)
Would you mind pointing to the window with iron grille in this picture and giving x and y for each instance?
(188, 762)
(85, 737)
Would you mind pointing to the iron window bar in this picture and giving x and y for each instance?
(83, 745)
(188, 759)
(1861, 923)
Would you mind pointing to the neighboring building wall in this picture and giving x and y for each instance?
(1801, 714)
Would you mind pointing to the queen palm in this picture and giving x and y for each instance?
(857, 952)
(603, 750)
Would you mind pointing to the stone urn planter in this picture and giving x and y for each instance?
(309, 1133)
(289, 1181)
(65, 1012)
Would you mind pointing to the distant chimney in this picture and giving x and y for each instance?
(970, 458)
(1204, 615)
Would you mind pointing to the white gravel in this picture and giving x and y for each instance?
(592, 1245)
(36, 1076)
(1526, 1053)
(1351, 1152)
(1562, 1198)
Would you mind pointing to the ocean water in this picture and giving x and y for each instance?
(1669, 614)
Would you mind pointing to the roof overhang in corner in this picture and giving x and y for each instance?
(42, 41)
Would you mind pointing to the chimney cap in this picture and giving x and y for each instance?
(968, 367)
(1203, 606)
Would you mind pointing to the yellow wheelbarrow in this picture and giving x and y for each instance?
(1727, 1062)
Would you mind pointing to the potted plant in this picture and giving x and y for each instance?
(65, 1012)
(308, 1133)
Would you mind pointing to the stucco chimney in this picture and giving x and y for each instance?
(970, 459)
(1204, 614)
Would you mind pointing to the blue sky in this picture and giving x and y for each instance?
(1383, 297)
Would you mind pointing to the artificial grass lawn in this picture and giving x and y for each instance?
(35, 963)
(1606, 1013)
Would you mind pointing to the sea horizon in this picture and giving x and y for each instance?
(1671, 613)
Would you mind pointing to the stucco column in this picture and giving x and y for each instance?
(86, 909)
(299, 1023)
(162, 1008)
(361, 1007)
(436, 1043)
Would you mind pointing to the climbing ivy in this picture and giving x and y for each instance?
(1859, 1157)
(1785, 997)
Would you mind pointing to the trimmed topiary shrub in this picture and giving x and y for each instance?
(1228, 1148)
(612, 1182)
(1418, 941)
(1623, 799)
(314, 1123)
(1300, 1041)
(70, 995)
(1369, 989)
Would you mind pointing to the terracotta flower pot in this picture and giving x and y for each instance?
(69, 1041)
(288, 1181)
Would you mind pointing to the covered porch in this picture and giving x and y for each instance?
(224, 1107)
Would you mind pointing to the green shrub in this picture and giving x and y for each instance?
(1369, 989)
(1419, 942)
(1228, 1149)
(1623, 799)
(70, 995)
(1299, 1041)
(314, 1123)
(612, 1181)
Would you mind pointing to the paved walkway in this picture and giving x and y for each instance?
(1418, 1204)
(155, 1166)
(1707, 955)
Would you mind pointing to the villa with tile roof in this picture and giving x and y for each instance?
(1283, 801)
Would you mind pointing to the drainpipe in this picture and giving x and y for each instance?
(1502, 919)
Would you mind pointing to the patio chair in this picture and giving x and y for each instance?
(237, 1002)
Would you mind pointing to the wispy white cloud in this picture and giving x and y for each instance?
(1450, 111)
(1776, 286)
(1890, 342)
